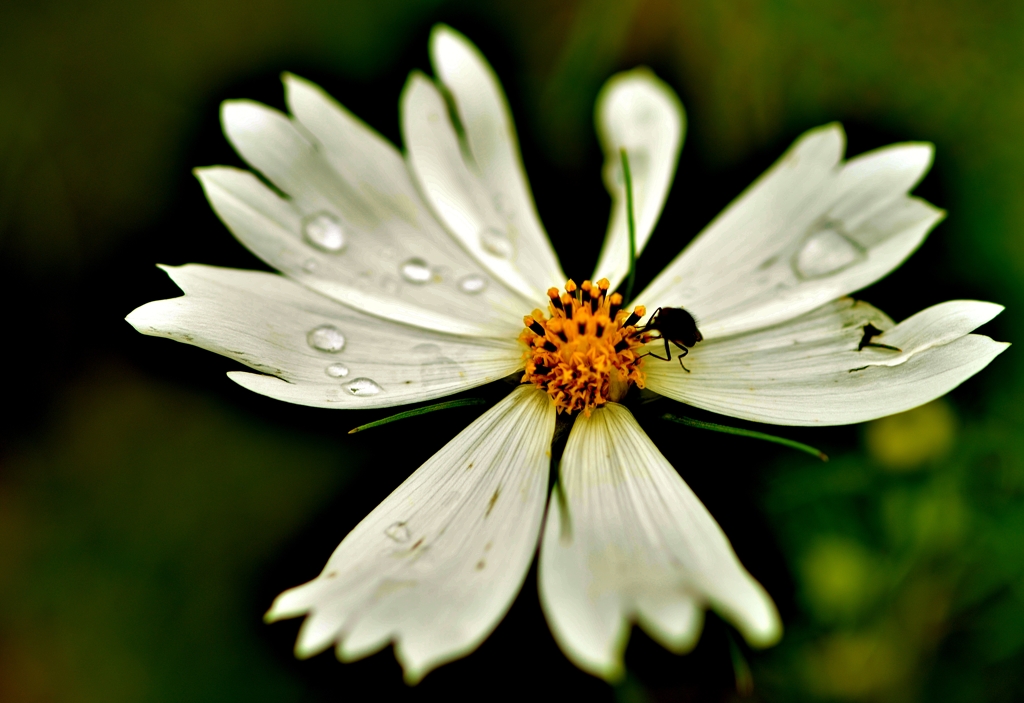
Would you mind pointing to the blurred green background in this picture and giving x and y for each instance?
(150, 510)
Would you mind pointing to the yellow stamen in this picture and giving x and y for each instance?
(583, 353)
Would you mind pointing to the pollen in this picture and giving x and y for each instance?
(583, 353)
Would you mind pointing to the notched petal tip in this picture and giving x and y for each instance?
(985, 311)
(918, 152)
(207, 175)
(303, 651)
(269, 617)
(136, 318)
(444, 39)
(415, 82)
(237, 109)
(638, 78)
(415, 669)
(295, 83)
(244, 121)
(412, 677)
(938, 214)
(442, 30)
(143, 318)
(614, 673)
(833, 133)
(764, 629)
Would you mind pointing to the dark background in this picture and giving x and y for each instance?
(150, 509)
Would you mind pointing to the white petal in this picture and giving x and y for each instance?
(626, 539)
(338, 174)
(266, 321)
(809, 371)
(436, 566)
(478, 188)
(810, 230)
(639, 113)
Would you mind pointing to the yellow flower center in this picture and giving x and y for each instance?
(583, 354)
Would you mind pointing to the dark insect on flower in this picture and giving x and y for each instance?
(675, 325)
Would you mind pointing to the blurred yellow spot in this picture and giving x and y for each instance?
(840, 578)
(907, 441)
(868, 666)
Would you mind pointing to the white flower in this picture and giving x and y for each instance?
(406, 279)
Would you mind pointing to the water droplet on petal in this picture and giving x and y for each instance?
(827, 250)
(398, 532)
(496, 242)
(440, 369)
(389, 284)
(473, 284)
(324, 231)
(326, 338)
(363, 387)
(415, 271)
(337, 371)
(427, 351)
(309, 265)
(436, 367)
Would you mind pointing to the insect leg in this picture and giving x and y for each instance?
(650, 321)
(680, 357)
(667, 357)
(663, 358)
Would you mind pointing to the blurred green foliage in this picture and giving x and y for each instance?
(135, 522)
(135, 515)
(909, 583)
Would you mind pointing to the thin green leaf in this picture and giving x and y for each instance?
(700, 424)
(631, 223)
(420, 411)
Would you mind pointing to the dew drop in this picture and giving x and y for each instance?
(337, 371)
(435, 367)
(326, 338)
(427, 351)
(309, 265)
(415, 271)
(438, 370)
(398, 532)
(472, 284)
(496, 242)
(323, 231)
(827, 250)
(389, 284)
(363, 387)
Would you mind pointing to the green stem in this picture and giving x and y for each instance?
(740, 668)
(700, 424)
(419, 411)
(631, 224)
